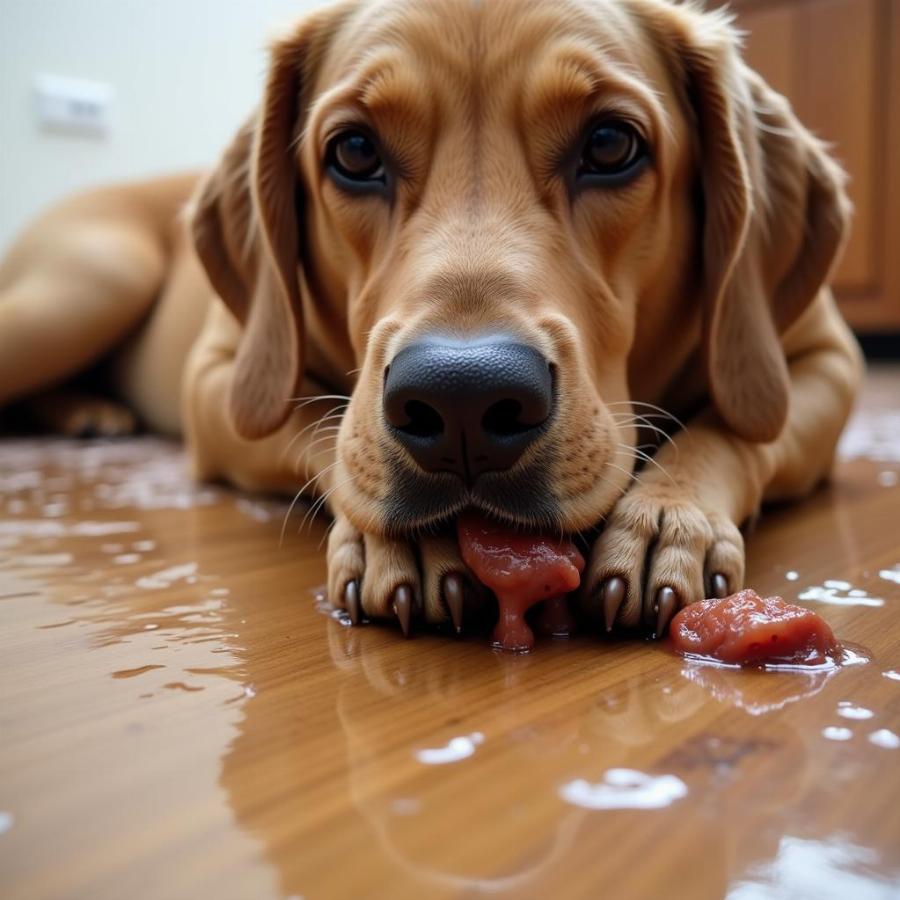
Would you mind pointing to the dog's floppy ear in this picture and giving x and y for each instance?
(247, 232)
(774, 214)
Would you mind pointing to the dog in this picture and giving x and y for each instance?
(477, 255)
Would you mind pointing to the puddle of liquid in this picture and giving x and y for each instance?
(837, 733)
(336, 699)
(753, 689)
(892, 575)
(872, 437)
(456, 749)
(126, 559)
(33, 560)
(885, 738)
(133, 673)
(848, 710)
(742, 688)
(262, 510)
(167, 577)
(181, 686)
(832, 869)
(42, 528)
(839, 593)
(624, 789)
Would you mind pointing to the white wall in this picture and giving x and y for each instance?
(184, 73)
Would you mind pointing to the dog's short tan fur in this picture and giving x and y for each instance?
(700, 287)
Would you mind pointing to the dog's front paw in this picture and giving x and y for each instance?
(660, 551)
(79, 415)
(377, 577)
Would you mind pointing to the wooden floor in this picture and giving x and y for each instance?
(180, 717)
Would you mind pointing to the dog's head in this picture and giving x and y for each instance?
(506, 215)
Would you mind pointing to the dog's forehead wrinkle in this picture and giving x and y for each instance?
(484, 40)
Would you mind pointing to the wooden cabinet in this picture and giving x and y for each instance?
(838, 61)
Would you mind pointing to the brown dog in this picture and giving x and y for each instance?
(505, 237)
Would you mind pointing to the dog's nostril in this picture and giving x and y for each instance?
(424, 420)
(503, 419)
(467, 407)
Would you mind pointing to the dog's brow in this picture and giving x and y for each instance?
(572, 79)
(391, 94)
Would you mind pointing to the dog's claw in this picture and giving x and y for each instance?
(612, 595)
(351, 602)
(719, 586)
(666, 604)
(403, 604)
(453, 595)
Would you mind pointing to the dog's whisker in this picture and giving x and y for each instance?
(322, 442)
(299, 494)
(330, 417)
(660, 410)
(287, 516)
(305, 401)
(632, 475)
(639, 454)
(319, 505)
(311, 513)
(320, 428)
(644, 422)
(329, 433)
(324, 538)
(332, 413)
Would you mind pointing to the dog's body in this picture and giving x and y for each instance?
(600, 186)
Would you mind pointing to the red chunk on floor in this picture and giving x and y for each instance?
(751, 630)
(521, 569)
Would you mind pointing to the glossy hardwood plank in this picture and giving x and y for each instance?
(179, 717)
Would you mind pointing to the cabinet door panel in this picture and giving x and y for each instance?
(825, 56)
(838, 100)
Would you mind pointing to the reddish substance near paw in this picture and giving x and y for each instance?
(521, 569)
(751, 630)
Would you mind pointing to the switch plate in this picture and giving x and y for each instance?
(73, 105)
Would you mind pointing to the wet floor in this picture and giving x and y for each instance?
(181, 717)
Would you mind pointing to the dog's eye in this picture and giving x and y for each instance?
(354, 157)
(613, 149)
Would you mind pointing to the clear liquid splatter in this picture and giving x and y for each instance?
(839, 593)
(885, 738)
(456, 749)
(625, 789)
(836, 733)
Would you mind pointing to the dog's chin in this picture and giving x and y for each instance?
(420, 501)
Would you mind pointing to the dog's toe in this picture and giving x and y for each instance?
(450, 592)
(375, 577)
(346, 565)
(612, 583)
(391, 586)
(80, 415)
(372, 577)
(656, 556)
(101, 418)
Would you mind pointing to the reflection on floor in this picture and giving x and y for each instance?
(182, 717)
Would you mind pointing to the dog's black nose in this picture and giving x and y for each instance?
(467, 406)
